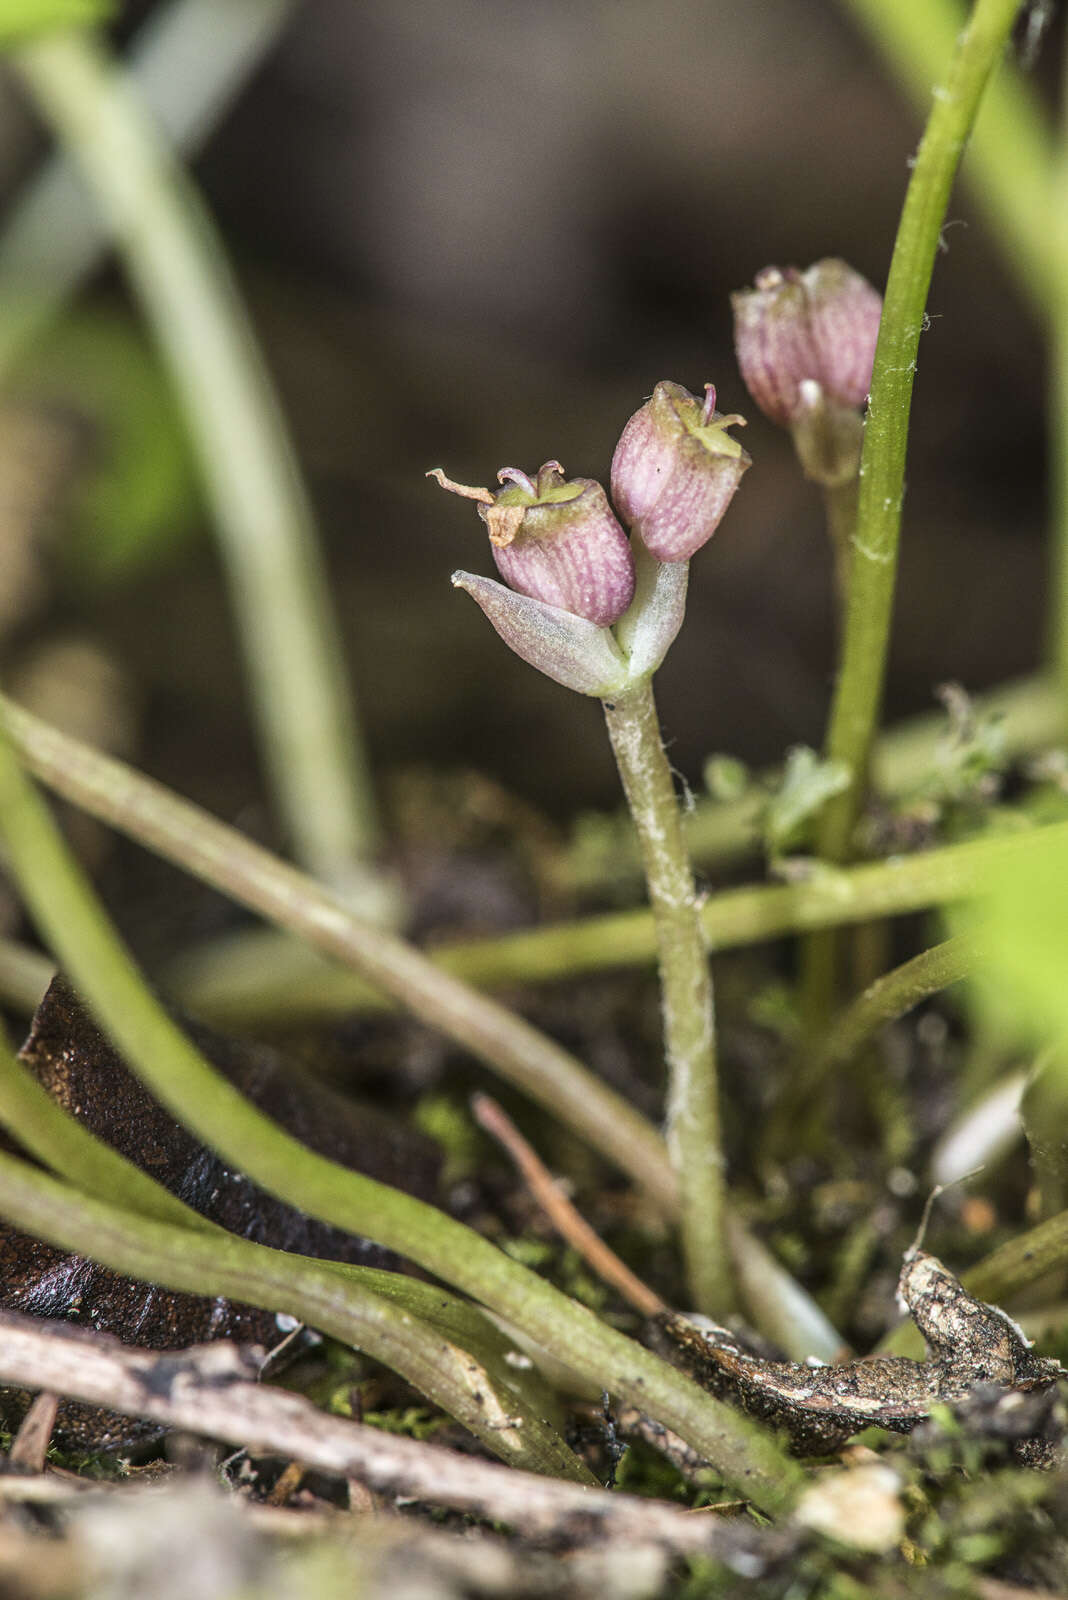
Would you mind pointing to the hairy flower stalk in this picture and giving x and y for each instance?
(598, 613)
(686, 995)
(674, 472)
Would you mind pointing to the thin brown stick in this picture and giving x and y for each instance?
(212, 1390)
(561, 1213)
(30, 1446)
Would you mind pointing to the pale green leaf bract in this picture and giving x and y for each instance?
(808, 782)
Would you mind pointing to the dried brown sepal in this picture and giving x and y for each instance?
(466, 491)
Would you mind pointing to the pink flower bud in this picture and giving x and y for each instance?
(557, 541)
(818, 326)
(675, 470)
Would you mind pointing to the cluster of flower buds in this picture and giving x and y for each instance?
(594, 596)
(585, 604)
(805, 343)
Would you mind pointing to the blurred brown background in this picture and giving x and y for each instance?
(477, 235)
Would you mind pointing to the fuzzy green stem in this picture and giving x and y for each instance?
(222, 857)
(859, 688)
(693, 1131)
(1031, 715)
(268, 541)
(68, 913)
(1009, 157)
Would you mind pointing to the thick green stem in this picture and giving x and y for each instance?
(1009, 157)
(70, 916)
(268, 540)
(693, 1131)
(218, 1264)
(858, 691)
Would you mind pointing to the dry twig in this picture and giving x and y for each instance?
(211, 1390)
(561, 1213)
(30, 1446)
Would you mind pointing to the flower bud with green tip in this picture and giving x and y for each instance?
(819, 325)
(675, 470)
(557, 541)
